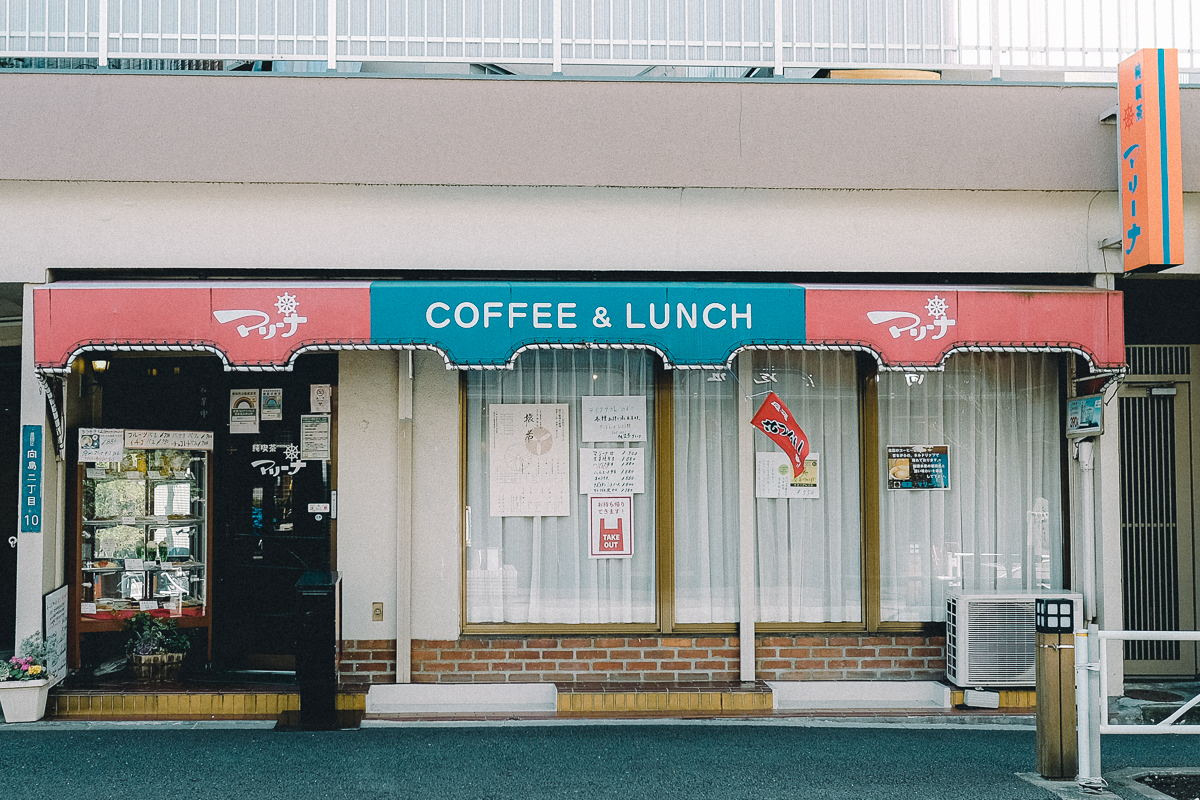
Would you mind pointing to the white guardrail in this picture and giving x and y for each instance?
(1056, 36)
(1167, 725)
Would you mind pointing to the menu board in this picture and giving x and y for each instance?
(529, 467)
(167, 440)
(101, 444)
(917, 466)
(773, 477)
(617, 418)
(612, 470)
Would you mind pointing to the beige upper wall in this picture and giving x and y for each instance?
(129, 127)
(188, 227)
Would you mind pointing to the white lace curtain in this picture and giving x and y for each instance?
(808, 565)
(538, 569)
(999, 526)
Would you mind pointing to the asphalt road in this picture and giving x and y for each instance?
(684, 761)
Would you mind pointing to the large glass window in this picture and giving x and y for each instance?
(529, 553)
(998, 527)
(808, 539)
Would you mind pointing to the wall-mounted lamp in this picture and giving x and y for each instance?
(93, 370)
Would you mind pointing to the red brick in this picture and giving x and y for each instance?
(912, 641)
(877, 663)
(796, 652)
(606, 643)
(726, 652)
(766, 652)
(860, 652)
(894, 652)
(507, 666)
(928, 652)
(624, 655)
(842, 663)
(541, 643)
(423, 655)
(710, 642)
(505, 644)
(439, 666)
(828, 652)
(675, 665)
(659, 654)
(473, 666)
(642, 642)
(689, 653)
(676, 642)
(810, 641)
(910, 663)
(370, 666)
(715, 665)
(845, 641)
(541, 665)
(594, 654)
(809, 664)
(575, 666)
(602, 666)
(774, 664)
(574, 643)
(641, 666)
(434, 644)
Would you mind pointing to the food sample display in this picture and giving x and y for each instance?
(143, 533)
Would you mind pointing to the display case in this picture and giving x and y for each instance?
(143, 536)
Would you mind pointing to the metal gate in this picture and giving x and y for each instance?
(1157, 536)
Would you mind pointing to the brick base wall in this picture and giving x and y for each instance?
(367, 661)
(478, 659)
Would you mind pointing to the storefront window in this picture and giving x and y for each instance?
(809, 563)
(544, 443)
(808, 538)
(998, 525)
(706, 496)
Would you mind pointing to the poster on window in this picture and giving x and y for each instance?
(917, 466)
(272, 404)
(773, 477)
(529, 464)
(605, 470)
(243, 410)
(619, 418)
(611, 526)
(101, 444)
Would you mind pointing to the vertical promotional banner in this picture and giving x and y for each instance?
(31, 479)
(1151, 166)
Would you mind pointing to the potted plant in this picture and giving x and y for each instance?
(156, 647)
(24, 682)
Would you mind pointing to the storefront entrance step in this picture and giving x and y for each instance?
(480, 698)
(174, 703)
(833, 695)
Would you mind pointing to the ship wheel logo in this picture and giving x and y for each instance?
(539, 441)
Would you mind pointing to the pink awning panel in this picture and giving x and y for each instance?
(251, 324)
(919, 327)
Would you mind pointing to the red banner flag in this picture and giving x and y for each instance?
(776, 420)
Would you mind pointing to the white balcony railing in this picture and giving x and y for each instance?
(1057, 36)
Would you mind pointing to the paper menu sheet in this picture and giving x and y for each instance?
(612, 470)
(529, 466)
(619, 418)
(773, 477)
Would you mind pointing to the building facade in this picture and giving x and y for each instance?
(545, 312)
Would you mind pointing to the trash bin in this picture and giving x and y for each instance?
(318, 647)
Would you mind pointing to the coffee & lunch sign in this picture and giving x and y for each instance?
(484, 324)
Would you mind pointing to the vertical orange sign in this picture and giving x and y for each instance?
(1151, 162)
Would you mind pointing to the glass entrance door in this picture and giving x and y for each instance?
(273, 513)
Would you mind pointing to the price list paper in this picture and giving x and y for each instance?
(529, 465)
(612, 470)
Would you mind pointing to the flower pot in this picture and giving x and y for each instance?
(156, 666)
(24, 701)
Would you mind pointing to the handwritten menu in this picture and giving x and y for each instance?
(773, 477)
(529, 465)
(612, 470)
(172, 440)
(101, 444)
(619, 418)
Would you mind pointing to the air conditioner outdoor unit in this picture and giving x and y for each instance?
(990, 638)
